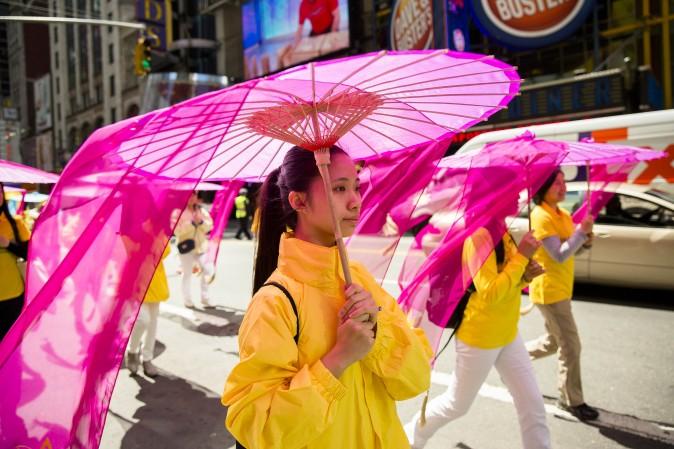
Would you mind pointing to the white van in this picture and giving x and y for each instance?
(653, 130)
(635, 236)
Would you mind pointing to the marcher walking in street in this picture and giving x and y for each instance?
(322, 365)
(242, 203)
(488, 337)
(144, 334)
(552, 291)
(192, 235)
(14, 237)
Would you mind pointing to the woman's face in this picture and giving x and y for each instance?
(316, 217)
(557, 191)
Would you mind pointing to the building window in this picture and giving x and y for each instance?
(111, 53)
(56, 60)
(113, 115)
(56, 34)
(109, 26)
(112, 85)
(99, 93)
(58, 112)
(58, 86)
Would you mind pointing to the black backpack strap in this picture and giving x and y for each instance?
(292, 303)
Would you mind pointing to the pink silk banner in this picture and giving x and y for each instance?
(95, 248)
(220, 211)
(475, 197)
(391, 187)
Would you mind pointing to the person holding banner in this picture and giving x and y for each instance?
(552, 291)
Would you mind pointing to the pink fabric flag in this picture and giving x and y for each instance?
(93, 253)
(222, 208)
(466, 200)
(391, 186)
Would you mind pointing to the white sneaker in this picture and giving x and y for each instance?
(207, 304)
(188, 303)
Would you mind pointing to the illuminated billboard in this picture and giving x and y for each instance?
(277, 35)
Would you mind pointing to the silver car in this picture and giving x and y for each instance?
(634, 237)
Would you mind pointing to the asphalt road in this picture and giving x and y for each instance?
(628, 366)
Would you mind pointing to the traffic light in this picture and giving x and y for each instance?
(142, 56)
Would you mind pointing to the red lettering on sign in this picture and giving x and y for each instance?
(658, 167)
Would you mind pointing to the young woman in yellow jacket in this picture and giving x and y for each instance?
(14, 237)
(488, 337)
(552, 292)
(355, 355)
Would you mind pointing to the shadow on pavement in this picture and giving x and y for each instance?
(629, 431)
(624, 296)
(212, 322)
(176, 415)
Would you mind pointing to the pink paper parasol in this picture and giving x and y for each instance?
(18, 173)
(367, 104)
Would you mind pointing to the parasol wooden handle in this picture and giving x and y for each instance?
(323, 162)
(589, 189)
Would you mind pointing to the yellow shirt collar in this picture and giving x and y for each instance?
(308, 263)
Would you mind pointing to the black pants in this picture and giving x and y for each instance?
(243, 228)
(10, 309)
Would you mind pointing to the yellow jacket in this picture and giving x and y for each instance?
(280, 395)
(556, 284)
(158, 290)
(11, 281)
(493, 311)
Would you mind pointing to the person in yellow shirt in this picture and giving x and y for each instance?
(145, 327)
(241, 203)
(552, 291)
(14, 237)
(326, 376)
(488, 337)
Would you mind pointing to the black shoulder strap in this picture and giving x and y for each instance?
(292, 303)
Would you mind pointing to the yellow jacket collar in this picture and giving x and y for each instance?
(308, 263)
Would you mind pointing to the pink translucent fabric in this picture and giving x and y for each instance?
(576, 153)
(479, 194)
(98, 241)
(92, 255)
(604, 179)
(391, 187)
(19, 173)
(220, 211)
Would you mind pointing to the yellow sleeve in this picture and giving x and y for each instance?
(542, 224)
(273, 402)
(492, 286)
(401, 355)
(24, 232)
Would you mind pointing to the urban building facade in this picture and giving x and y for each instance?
(93, 80)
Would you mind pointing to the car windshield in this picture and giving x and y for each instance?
(667, 195)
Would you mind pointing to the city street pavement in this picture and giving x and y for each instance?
(628, 358)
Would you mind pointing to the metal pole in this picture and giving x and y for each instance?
(38, 19)
(666, 55)
(646, 12)
(595, 38)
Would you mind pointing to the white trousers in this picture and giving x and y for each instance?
(145, 326)
(472, 367)
(187, 261)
